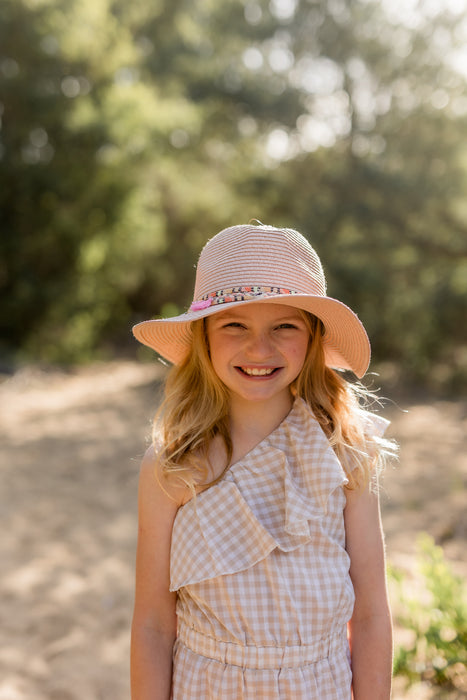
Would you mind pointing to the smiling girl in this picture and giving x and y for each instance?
(260, 561)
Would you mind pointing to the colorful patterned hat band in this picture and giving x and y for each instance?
(224, 296)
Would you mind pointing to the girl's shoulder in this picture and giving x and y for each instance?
(152, 479)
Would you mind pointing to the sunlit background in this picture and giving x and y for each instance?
(131, 132)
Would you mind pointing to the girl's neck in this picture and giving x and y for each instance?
(251, 422)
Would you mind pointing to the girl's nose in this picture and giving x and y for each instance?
(260, 345)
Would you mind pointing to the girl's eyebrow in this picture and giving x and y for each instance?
(224, 315)
(228, 315)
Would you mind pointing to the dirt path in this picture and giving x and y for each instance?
(70, 446)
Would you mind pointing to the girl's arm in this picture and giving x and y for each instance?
(370, 627)
(153, 628)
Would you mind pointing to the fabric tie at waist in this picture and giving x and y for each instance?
(255, 657)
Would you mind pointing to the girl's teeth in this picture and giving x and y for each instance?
(257, 372)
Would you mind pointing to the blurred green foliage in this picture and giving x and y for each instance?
(436, 619)
(132, 132)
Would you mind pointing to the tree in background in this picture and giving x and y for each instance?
(168, 121)
(57, 191)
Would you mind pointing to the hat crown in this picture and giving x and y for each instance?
(262, 255)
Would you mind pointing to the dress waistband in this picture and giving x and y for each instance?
(255, 657)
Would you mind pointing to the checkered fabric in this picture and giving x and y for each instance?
(262, 575)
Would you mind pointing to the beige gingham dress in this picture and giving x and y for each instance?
(259, 564)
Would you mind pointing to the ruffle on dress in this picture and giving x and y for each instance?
(264, 508)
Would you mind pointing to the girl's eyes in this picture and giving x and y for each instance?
(285, 326)
(233, 324)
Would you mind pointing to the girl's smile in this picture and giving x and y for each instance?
(257, 350)
(258, 371)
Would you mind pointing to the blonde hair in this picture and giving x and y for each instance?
(342, 408)
(196, 409)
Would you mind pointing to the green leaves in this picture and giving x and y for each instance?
(132, 132)
(435, 619)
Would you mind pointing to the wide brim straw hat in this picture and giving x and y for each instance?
(251, 264)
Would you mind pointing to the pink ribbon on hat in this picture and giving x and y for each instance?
(200, 305)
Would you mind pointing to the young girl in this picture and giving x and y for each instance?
(260, 563)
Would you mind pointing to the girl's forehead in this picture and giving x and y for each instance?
(258, 311)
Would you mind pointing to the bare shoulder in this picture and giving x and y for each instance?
(156, 509)
(149, 472)
(362, 503)
(154, 487)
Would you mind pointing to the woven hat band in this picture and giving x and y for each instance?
(225, 296)
(252, 256)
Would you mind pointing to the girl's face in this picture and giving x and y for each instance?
(257, 350)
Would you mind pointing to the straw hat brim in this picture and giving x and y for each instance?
(345, 340)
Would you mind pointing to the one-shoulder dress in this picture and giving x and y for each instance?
(259, 564)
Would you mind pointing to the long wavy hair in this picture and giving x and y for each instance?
(195, 409)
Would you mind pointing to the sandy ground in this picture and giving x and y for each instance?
(70, 447)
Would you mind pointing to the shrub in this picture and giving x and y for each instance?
(435, 619)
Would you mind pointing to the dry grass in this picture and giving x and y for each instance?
(70, 450)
